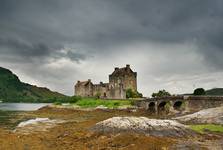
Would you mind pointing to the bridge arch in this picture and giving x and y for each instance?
(161, 106)
(178, 105)
(152, 107)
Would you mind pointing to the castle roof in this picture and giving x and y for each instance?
(83, 83)
(122, 71)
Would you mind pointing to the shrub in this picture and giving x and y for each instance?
(74, 99)
(199, 91)
(161, 93)
(116, 104)
(133, 94)
(57, 103)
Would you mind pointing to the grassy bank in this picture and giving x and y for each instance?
(106, 103)
(92, 102)
(207, 127)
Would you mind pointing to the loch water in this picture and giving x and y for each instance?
(13, 113)
(21, 106)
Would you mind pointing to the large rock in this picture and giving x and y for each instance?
(143, 125)
(211, 115)
(36, 125)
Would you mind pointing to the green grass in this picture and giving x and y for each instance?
(90, 102)
(57, 103)
(209, 127)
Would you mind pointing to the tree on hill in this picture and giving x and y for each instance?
(199, 91)
(161, 93)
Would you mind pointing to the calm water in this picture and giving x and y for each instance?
(11, 114)
(21, 106)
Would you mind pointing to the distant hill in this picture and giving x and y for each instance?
(215, 91)
(13, 90)
(211, 92)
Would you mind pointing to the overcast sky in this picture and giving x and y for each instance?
(175, 45)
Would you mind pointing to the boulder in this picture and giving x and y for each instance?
(143, 125)
(207, 116)
(36, 125)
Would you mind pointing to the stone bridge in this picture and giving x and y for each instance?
(180, 103)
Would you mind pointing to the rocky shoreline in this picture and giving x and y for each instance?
(206, 116)
(81, 130)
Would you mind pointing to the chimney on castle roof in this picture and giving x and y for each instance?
(116, 68)
(127, 66)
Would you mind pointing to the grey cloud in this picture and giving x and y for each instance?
(26, 49)
(75, 56)
(41, 29)
(105, 23)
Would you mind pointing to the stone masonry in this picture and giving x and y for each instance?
(119, 81)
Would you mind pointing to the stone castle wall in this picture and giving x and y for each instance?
(128, 81)
(101, 89)
(84, 90)
(119, 81)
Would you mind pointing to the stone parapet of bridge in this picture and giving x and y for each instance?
(186, 97)
(180, 103)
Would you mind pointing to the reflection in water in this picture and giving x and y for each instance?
(22, 106)
(7, 119)
(11, 114)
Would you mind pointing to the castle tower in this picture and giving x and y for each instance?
(121, 80)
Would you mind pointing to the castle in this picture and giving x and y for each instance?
(119, 81)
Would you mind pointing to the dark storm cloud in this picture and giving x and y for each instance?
(105, 23)
(42, 31)
(39, 50)
(75, 56)
(25, 49)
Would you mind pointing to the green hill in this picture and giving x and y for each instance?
(215, 91)
(13, 90)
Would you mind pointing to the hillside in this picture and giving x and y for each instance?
(215, 91)
(13, 90)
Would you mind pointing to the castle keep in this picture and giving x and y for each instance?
(119, 81)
